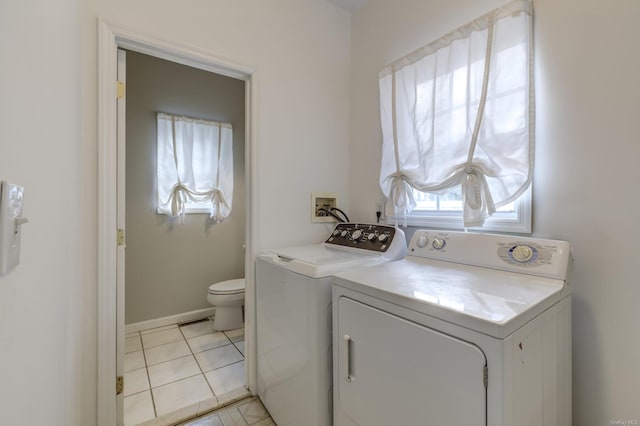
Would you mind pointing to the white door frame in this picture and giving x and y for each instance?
(110, 38)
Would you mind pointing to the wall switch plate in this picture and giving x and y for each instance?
(320, 201)
(11, 221)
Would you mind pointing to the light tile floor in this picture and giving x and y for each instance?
(177, 372)
(249, 411)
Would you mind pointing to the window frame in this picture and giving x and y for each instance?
(448, 219)
(192, 208)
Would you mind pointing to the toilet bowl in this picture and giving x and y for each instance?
(228, 298)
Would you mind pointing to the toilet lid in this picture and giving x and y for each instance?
(227, 287)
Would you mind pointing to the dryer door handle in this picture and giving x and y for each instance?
(346, 357)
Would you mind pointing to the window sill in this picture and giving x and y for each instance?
(508, 222)
(495, 223)
(188, 210)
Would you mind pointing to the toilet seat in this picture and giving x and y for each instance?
(227, 287)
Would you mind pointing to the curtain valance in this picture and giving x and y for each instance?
(460, 111)
(195, 165)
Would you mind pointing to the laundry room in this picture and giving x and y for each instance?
(311, 73)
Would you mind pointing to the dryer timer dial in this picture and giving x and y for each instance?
(522, 253)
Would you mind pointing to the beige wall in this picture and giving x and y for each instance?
(587, 90)
(170, 264)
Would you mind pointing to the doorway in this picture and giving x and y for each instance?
(171, 261)
(111, 254)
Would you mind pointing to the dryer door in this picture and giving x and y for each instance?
(395, 372)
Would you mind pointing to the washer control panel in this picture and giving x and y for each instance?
(534, 256)
(376, 238)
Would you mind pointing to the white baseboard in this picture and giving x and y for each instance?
(172, 319)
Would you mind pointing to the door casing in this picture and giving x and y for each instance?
(110, 38)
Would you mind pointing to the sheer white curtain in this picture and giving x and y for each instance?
(459, 111)
(195, 166)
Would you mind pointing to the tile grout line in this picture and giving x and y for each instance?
(192, 353)
(153, 401)
(144, 355)
(146, 367)
(237, 348)
(197, 362)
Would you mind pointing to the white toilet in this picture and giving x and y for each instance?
(228, 298)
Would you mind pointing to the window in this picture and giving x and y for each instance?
(194, 167)
(445, 211)
(457, 124)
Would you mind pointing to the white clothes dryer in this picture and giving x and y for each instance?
(293, 311)
(469, 329)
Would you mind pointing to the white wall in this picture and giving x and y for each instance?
(47, 305)
(588, 86)
(300, 49)
(587, 111)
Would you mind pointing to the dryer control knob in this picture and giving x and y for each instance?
(522, 253)
(344, 234)
(371, 236)
(382, 237)
(438, 243)
(356, 234)
(422, 241)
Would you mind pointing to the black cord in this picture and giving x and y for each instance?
(346, 218)
(330, 213)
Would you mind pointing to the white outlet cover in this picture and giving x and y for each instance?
(11, 203)
(320, 195)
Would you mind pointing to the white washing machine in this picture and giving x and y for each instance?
(293, 306)
(469, 329)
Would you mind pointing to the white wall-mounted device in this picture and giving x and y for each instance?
(11, 221)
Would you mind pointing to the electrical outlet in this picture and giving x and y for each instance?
(11, 221)
(321, 201)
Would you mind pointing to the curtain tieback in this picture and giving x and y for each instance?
(471, 188)
(476, 198)
(401, 192)
(180, 193)
(402, 196)
(217, 201)
(178, 196)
